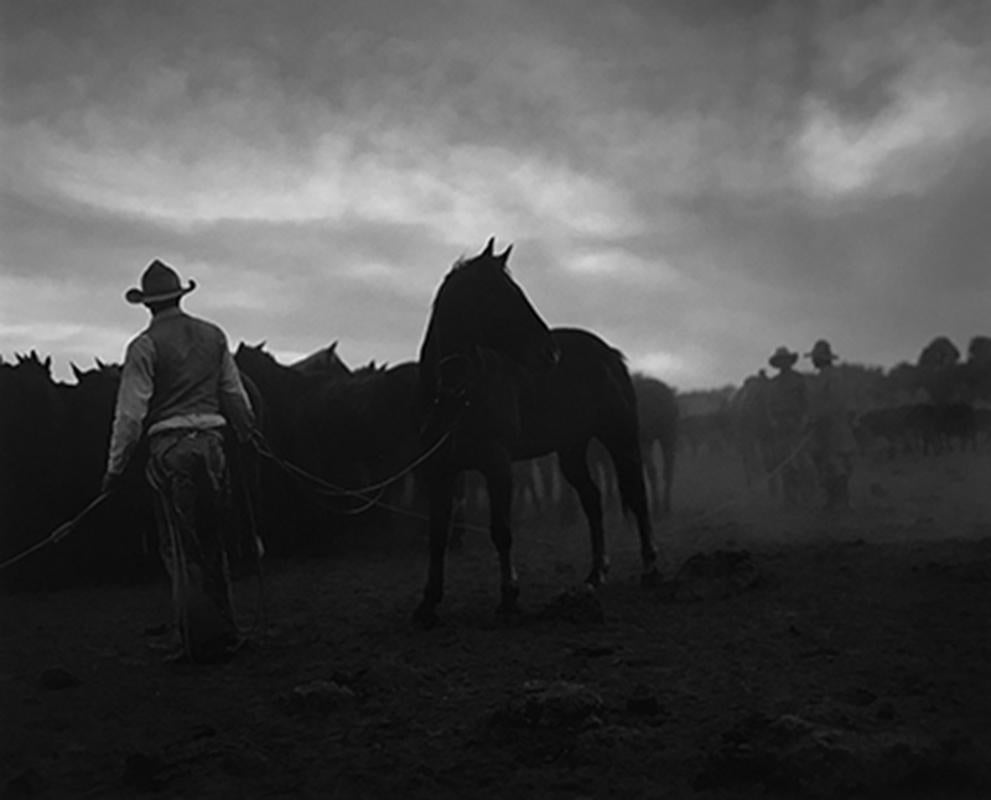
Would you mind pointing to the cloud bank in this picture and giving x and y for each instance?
(697, 182)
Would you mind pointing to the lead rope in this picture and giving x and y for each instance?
(60, 532)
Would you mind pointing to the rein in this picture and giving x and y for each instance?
(334, 490)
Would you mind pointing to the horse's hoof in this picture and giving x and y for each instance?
(595, 579)
(651, 579)
(507, 609)
(425, 617)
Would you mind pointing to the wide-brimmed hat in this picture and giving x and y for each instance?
(821, 351)
(782, 357)
(158, 283)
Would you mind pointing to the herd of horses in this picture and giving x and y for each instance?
(891, 430)
(493, 388)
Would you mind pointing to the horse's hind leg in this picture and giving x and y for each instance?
(440, 487)
(626, 458)
(575, 470)
(500, 485)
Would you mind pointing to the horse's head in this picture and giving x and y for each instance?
(480, 305)
(98, 384)
(101, 374)
(253, 358)
(324, 363)
(35, 367)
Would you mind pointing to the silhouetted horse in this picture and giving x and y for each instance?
(346, 429)
(504, 387)
(120, 531)
(32, 426)
(351, 431)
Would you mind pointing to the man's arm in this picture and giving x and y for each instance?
(136, 387)
(234, 401)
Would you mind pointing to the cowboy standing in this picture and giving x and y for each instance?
(833, 443)
(179, 387)
(787, 409)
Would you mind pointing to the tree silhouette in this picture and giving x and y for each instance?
(979, 351)
(977, 370)
(939, 354)
(939, 372)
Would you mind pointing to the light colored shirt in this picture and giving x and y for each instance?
(137, 384)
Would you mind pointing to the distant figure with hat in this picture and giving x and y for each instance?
(833, 443)
(787, 410)
(179, 388)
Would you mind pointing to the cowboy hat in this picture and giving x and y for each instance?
(782, 357)
(159, 282)
(821, 351)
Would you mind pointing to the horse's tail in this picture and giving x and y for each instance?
(625, 445)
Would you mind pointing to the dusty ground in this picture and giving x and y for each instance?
(858, 663)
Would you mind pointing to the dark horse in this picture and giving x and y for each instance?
(504, 387)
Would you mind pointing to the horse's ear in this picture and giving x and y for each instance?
(47, 363)
(100, 364)
(490, 247)
(76, 371)
(333, 347)
(504, 255)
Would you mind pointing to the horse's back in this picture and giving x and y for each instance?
(586, 394)
(590, 366)
(584, 344)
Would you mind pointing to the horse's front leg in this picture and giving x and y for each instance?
(500, 485)
(440, 491)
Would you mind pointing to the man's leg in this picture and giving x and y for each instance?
(212, 529)
(182, 471)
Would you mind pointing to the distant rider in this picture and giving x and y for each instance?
(830, 411)
(787, 409)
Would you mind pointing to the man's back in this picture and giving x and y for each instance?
(787, 397)
(188, 354)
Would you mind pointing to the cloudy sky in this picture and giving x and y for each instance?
(696, 181)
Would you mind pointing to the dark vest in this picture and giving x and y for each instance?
(786, 397)
(188, 354)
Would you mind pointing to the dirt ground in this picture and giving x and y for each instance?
(853, 660)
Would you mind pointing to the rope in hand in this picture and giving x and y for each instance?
(60, 532)
(361, 492)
